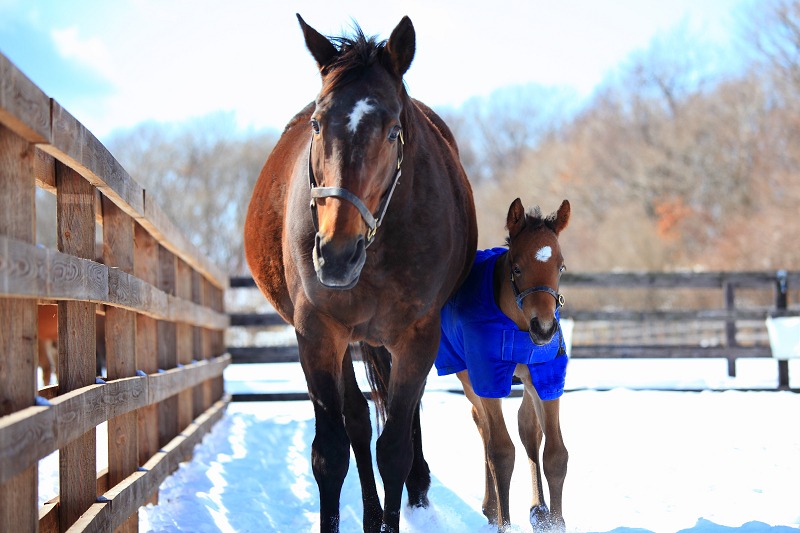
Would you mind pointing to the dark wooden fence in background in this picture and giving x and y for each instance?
(728, 319)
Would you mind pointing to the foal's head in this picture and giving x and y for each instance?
(356, 143)
(536, 266)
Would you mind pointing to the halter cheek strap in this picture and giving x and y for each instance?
(370, 220)
(520, 295)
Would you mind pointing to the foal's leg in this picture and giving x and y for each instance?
(321, 353)
(537, 417)
(498, 453)
(359, 430)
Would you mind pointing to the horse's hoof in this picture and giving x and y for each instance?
(544, 522)
(418, 502)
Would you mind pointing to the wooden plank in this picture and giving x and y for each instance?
(627, 315)
(75, 146)
(145, 267)
(257, 319)
(30, 271)
(125, 498)
(24, 108)
(264, 354)
(157, 223)
(76, 342)
(33, 433)
(663, 352)
(18, 334)
(44, 170)
(120, 337)
(167, 348)
(183, 340)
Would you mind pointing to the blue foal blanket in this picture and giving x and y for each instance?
(478, 337)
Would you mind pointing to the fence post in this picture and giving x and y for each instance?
(730, 325)
(781, 304)
(76, 344)
(18, 509)
(120, 339)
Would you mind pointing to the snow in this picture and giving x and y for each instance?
(640, 460)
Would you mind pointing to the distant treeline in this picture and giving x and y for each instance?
(674, 162)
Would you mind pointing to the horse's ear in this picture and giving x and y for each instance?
(400, 47)
(562, 217)
(516, 218)
(319, 45)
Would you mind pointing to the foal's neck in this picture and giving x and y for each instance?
(504, 294)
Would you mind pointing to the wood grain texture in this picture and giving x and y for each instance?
(18, 319)
(24, 108)
(31, 434)
(76, 342)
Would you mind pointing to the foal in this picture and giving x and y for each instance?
(504, 321)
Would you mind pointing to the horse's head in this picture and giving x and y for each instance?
(536, 266)
(356, 146)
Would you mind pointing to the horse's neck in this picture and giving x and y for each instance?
(504, 294)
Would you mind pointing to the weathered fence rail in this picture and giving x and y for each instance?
(163, 334)
(729, 315)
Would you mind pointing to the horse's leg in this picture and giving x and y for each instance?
(359, 430)
(412, 359)
(498, 453)
(321, 354)
(419, 478)
(537, 417)
(555, 459)
(530, 433)
(489, 506)
(45, 361)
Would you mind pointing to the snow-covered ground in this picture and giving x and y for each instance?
(640, 460)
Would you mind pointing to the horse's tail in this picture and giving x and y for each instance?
(378, 364)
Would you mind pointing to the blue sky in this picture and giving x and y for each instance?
(117, 63)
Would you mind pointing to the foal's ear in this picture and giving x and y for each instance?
(400, 47)
(562, 217)
(319, 45)
(516, 218)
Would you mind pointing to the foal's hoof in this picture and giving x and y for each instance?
(418, 501)
(543, 522)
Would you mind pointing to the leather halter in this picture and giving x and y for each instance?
(520, 295)
(373, 222)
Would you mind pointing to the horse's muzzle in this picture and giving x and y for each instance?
(338, 265)
(540, 333)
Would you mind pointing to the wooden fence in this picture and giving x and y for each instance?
(614, 316)
(164, 326)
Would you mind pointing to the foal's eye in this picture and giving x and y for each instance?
(315, 126)
(394, 133)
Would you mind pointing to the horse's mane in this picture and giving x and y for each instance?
(356, 53)
(535, 220)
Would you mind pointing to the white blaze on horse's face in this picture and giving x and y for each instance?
(361, 109)
(544, 254)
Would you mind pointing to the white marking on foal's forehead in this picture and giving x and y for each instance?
(544, 253)
(361, 108)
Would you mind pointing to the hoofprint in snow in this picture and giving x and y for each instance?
(656, 461)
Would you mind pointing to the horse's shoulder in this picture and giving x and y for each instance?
(437, 122)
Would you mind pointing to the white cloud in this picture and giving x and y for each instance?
(91, 52)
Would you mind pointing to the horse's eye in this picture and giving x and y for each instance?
(517, 271)
(395, 133)
(315, 126)
(562, 269)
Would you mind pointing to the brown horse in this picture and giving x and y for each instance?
(503, 321)
(349, 251)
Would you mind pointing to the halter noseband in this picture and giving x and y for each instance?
(370, 220)
(520, 295)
